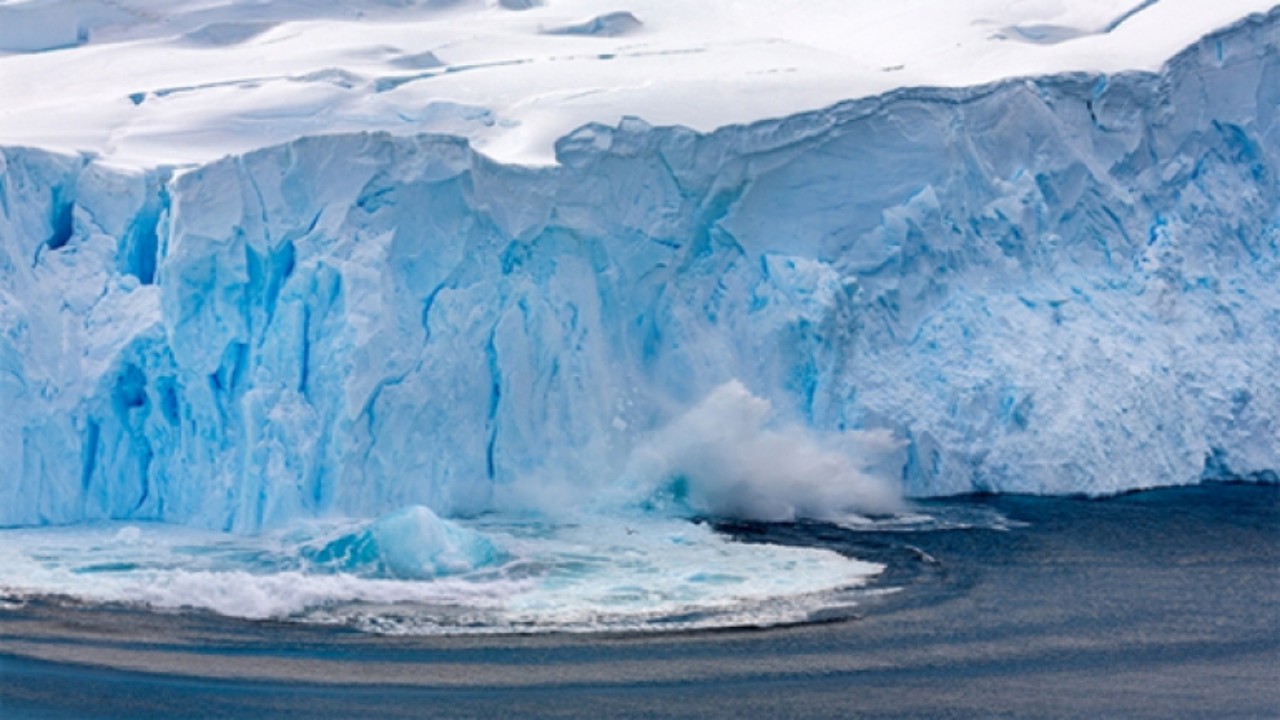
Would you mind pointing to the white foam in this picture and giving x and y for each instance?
(595, 573)
(729, 457)
(412, 543)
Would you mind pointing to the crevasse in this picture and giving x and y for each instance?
(1050, 285)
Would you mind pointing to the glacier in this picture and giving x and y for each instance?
(1061, 284)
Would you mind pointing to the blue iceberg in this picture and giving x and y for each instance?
(412, 543)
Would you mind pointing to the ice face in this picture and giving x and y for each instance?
(1063, 285)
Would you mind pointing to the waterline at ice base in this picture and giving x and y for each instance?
(393, 381)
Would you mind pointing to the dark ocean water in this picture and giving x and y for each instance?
(1155, 604)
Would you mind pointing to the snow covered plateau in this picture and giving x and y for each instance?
(262, 262)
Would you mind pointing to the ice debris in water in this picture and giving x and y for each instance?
(410, 544)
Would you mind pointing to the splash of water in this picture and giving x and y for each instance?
(729, 457)
(628, 558)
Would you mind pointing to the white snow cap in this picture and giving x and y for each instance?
(147, 82)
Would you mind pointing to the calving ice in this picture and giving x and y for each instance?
(1052, 284)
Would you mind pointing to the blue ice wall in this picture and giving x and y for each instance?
(1056, 285)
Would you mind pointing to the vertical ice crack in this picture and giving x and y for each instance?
(262, 201)
(495, 395)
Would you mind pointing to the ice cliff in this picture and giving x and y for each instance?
(1052, 285)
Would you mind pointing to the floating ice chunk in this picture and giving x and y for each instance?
(412, 543)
